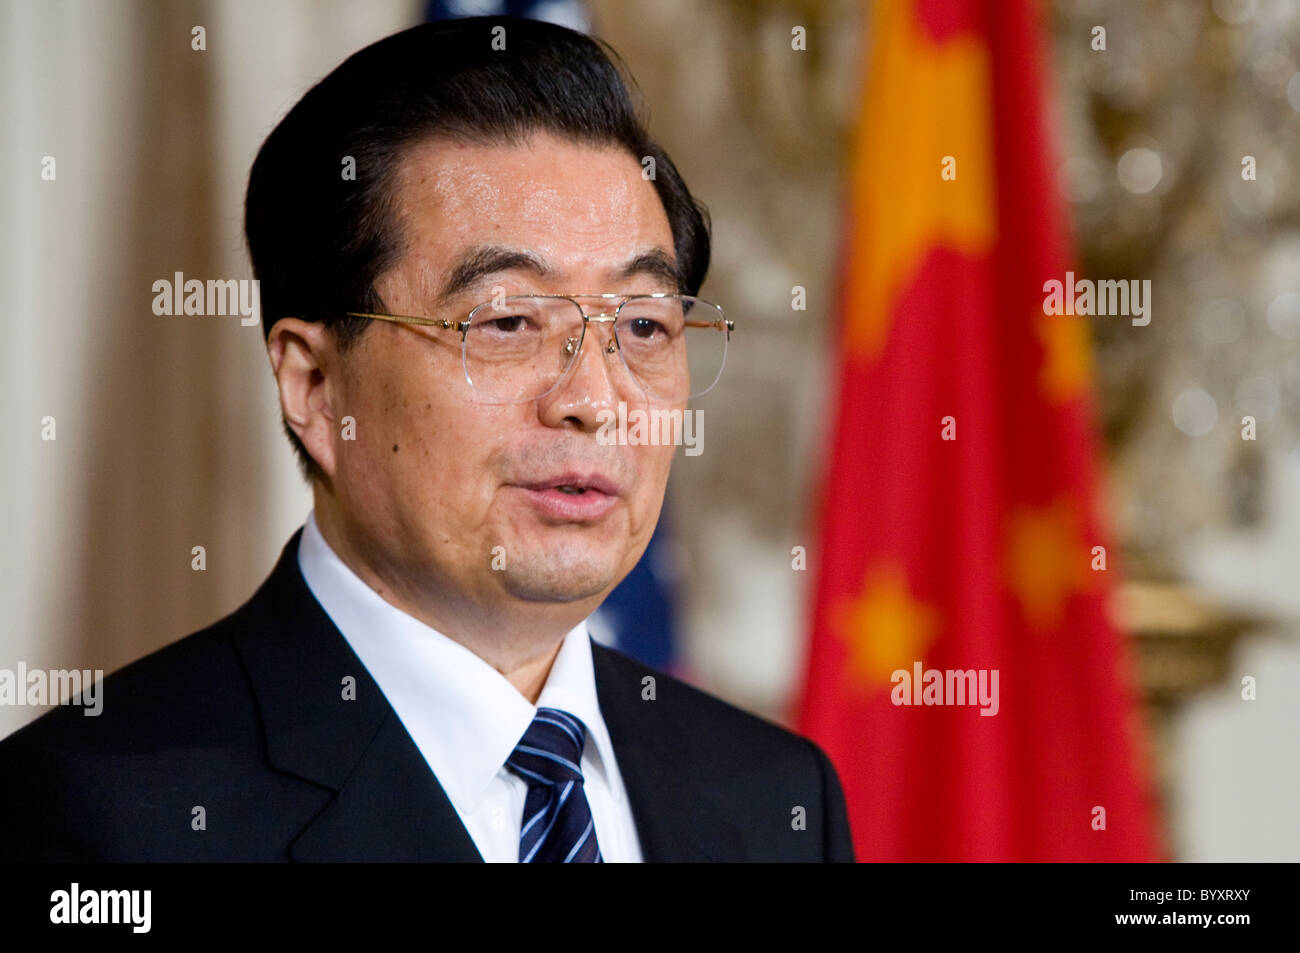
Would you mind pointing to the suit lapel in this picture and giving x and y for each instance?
(675, 820)
(390, 809)
(388, 804)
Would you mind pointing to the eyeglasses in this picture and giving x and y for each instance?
(519, 348)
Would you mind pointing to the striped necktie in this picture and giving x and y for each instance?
(557, 824)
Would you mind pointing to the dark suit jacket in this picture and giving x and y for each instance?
(246, 719)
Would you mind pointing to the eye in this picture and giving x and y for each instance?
(510, 324)
(645, 327)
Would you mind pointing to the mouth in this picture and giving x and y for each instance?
(575, 484)
(572, 497)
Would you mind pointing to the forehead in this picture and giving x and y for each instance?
(578, 206)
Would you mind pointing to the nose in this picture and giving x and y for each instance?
(591, 384)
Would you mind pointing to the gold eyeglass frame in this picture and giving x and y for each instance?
(572, 348)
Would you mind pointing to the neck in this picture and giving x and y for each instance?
(521, 642)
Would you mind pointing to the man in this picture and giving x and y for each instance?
(470, 253)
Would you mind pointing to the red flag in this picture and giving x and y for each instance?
(962, 672)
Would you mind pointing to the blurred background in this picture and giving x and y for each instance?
(168, 432)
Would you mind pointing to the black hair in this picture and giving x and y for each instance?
(319, 238)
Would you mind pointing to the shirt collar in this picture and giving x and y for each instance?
(463, 715)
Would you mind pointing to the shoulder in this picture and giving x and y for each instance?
(757, 770)
(694, 717)
(174, 729)
(167, 696)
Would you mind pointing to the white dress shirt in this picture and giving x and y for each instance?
(465, 716)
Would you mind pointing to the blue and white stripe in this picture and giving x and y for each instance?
(557, 823)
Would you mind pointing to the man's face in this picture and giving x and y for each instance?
(454, 498)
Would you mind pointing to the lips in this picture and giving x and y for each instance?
(576, 484)
(572, 497)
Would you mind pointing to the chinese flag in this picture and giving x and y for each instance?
(959, 528)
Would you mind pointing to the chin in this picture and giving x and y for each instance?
(560, 576)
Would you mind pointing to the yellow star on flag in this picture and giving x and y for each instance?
(1067, 356)
(1046, 560)
(928, 109)
(885, 627)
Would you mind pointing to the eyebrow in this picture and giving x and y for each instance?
(482, 261)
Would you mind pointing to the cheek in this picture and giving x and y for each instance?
(653, 464)
(448, 456)
(410, 400)
(391, 429)
(395, 431)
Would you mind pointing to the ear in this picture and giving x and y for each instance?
(307, 369)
